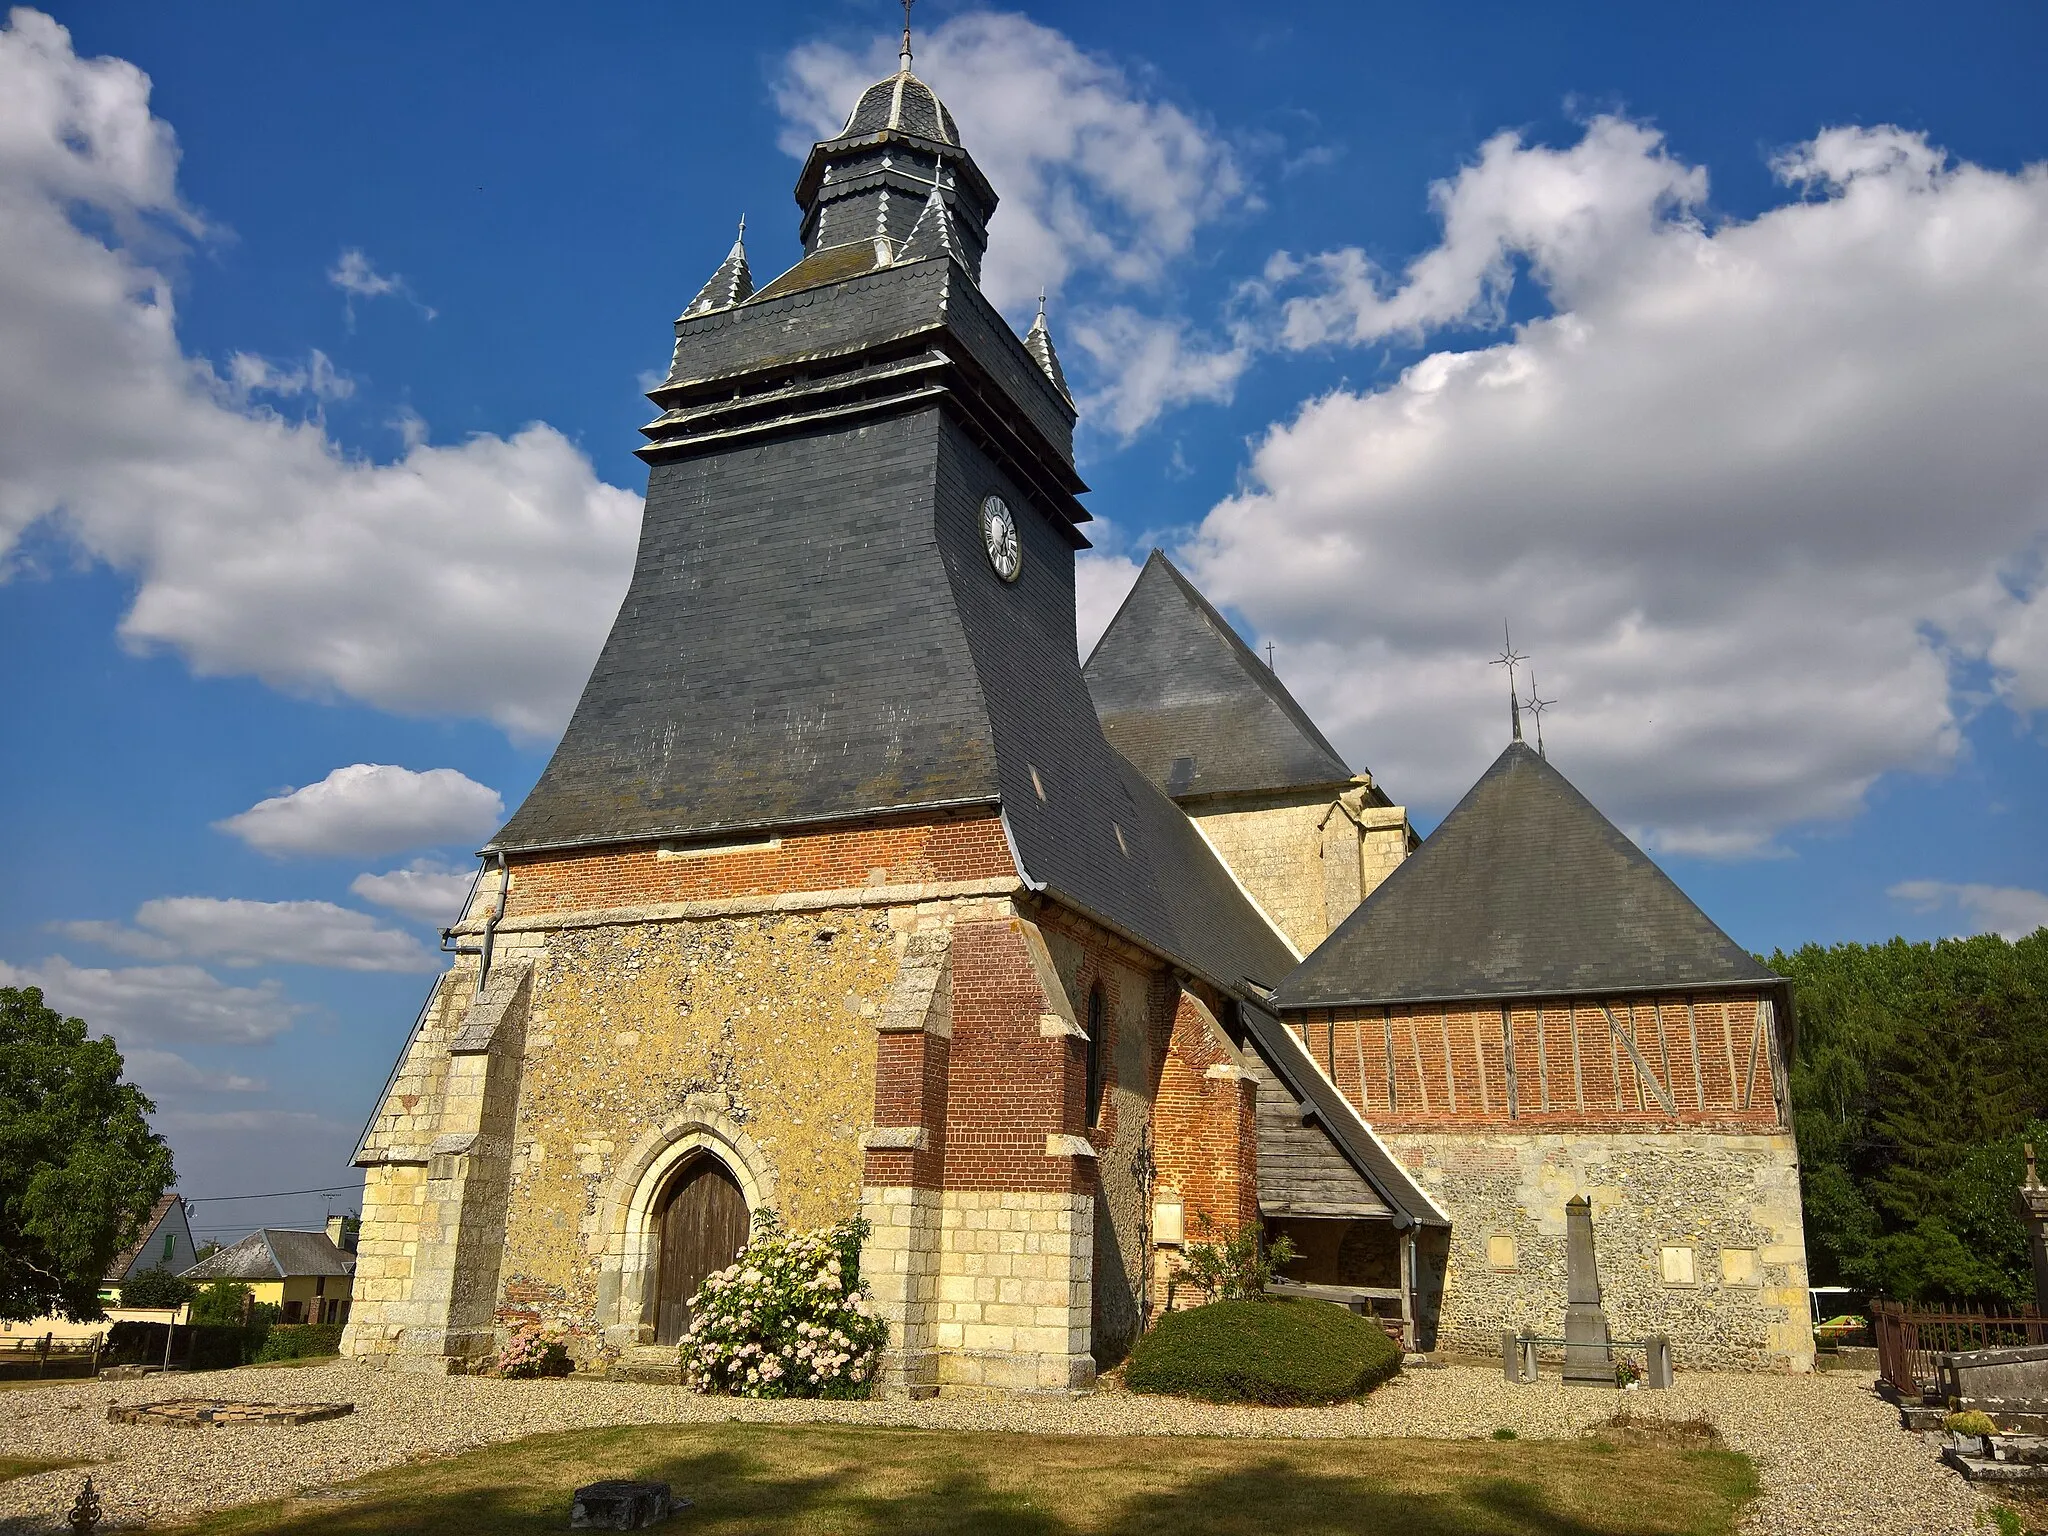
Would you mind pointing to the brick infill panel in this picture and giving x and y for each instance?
(1553, 1064)
(895, 852)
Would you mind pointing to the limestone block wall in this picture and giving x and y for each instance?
(1697, 1235)
(1274, 845)
(1309, 857)
(1013, 1303)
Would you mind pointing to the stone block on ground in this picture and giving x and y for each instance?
(619, 1504)
(196, 1412)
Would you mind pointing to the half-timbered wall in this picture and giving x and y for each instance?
(1646, 1062)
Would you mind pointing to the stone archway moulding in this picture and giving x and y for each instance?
(626, 1233)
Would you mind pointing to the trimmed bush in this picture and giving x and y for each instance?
(296, 1341)
(208, 1347)
(1285, 1354)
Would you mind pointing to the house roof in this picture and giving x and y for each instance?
(1184, 698)
(122, 1262)
(272, 1253)
(1525, 890)
(1320, 1104)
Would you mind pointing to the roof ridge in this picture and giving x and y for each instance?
(1258, 671)
(1525, 889)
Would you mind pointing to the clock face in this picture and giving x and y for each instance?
(999, 533)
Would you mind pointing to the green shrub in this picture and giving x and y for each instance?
(211, 1347)
(1283, 1353)
(1972, 1422)
(220, 1301)
(295, 1341)
(156, 1288)
(1235, 1266)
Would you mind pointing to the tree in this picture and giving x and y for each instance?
(1921, 1069)
(156, 1288)
(80, 1168)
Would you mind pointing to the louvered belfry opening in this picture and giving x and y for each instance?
(703, 1226)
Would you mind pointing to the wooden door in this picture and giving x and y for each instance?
(704, 1225)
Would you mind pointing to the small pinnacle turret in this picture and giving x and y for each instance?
(933, 233)
(1038, 342)
(732, 283)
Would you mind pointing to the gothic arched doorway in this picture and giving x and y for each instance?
(702, 1222)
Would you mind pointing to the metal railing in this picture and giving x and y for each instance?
(1911, 1340)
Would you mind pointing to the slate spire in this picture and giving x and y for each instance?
(732, 283)
(1187, 701)
(1038, 342)
(933, 234)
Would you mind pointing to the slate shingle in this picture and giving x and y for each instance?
(1186, 700)
(1525, 890)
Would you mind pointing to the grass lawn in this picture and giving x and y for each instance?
(778, 1481)
(12, 1467)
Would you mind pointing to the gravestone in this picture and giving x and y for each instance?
(1587, 1359)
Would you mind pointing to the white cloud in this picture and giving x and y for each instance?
(253, 375)
(1091, 170)
(149, 1004)
(357, 276)
(119, 938)
(2011, 910)
(368, 809)
(162, 1073)
(426, 891)
(244, 933)
(1149, 365)
(1751, 493)
(474, 579)
(1101, 582)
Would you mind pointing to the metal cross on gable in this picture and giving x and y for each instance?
(1536, 704)
(1511, 658)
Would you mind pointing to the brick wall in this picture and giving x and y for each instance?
(844, 857)
(1205, 1131)
(1554, 1065)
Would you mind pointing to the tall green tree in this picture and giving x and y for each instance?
(80, 1167)
(1919, 1075)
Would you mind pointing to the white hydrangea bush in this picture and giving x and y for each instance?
(790, 1317)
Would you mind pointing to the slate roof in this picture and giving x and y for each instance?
(270, 1253)
(1525, 890)
(1039, 344)
(1185, 699)
(123, 1261)
(1281, 1054)
(903, 103)
(1210, 924)
(732, 283)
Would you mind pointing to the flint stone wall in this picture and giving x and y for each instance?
(1732, 1200)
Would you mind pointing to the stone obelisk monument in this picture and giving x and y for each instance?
(2033, 1202)
(1587, 1359)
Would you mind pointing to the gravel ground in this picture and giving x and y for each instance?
(1833, 1460)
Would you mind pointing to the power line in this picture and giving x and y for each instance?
(275, 1194)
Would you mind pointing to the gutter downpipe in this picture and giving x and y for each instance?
(483, 970)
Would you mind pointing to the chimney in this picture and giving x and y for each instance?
(334, 1231)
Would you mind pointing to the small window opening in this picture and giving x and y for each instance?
(1094, 1055)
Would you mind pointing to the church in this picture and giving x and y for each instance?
(849, 890)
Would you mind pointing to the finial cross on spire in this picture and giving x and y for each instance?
(906, 36)
(1511, 658)
(1536, 704)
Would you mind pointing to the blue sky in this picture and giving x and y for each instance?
(1704, 348)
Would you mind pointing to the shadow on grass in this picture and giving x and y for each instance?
(819, 1479)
